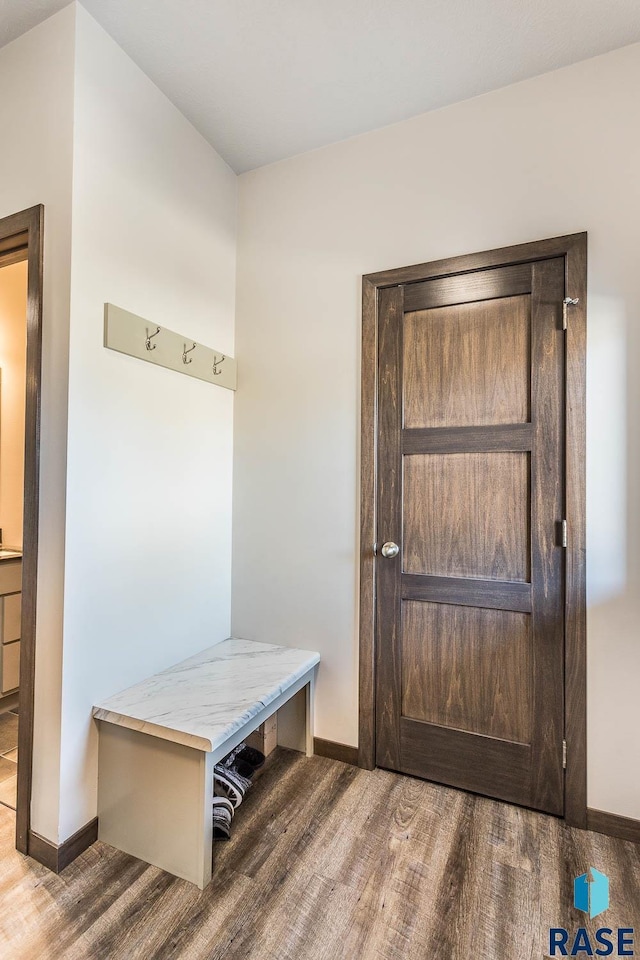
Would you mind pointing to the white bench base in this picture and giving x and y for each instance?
(155, 796)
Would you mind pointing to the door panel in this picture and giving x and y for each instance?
(469, 287)
(467, 515)
(469, 616)
(464, 688)
(478, 357)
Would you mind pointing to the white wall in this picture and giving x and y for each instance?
(13, 372)
(557, 154)
(36, 126)
(148, 545)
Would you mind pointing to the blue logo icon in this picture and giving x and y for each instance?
(591, 896)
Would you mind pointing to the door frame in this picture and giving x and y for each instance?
(574, 250)
(21, 238)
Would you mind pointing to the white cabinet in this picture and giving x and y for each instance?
(10, 666)
(10, 576)
(10, 614)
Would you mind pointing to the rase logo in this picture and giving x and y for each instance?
(591, 895)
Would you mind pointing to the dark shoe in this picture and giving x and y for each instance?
(222, 817)
(251, 757)
(229, 783)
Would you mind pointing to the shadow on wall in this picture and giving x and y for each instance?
(607, 507)
(612, 595)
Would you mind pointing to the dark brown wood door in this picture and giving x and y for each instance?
(469, 618)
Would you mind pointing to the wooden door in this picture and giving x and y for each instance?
(469, 614)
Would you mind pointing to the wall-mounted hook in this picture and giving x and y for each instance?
(147, 343)
(186, 359)
(566, 303)
(216, 364)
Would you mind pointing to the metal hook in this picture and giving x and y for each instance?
(216, 363)
(147, 343)
(185, 352)
(568, 302)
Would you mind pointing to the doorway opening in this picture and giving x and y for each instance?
(21, 260)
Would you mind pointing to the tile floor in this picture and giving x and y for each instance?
(8, 758)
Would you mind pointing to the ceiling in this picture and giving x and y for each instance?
(267, 79)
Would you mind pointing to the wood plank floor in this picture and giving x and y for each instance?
(327, 862)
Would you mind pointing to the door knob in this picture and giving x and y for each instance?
(390, 550)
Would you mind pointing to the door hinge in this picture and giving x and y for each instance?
(567, 302)
(564, 534)
(564, 754)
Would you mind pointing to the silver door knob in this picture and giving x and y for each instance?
(390, 550)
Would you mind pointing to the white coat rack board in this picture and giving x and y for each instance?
(128, 333)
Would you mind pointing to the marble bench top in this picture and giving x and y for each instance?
(202, 701)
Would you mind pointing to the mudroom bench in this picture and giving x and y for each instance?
(160, 740)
